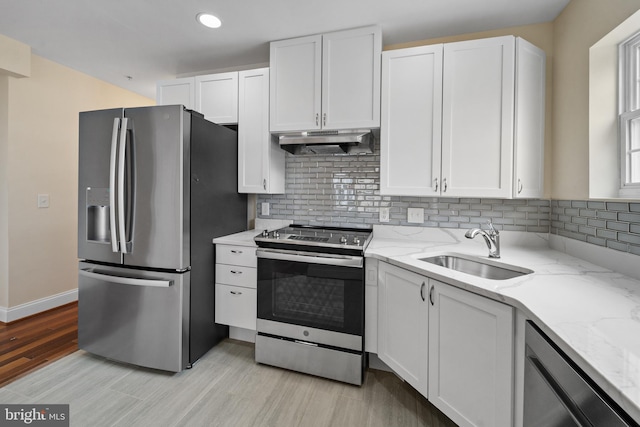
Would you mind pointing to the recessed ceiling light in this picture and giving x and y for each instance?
(209, 20)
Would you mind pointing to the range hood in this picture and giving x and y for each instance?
(359, 141)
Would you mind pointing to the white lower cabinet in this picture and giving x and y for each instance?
(453, 346)
(403, 321)
(236, 283)
(470, 357)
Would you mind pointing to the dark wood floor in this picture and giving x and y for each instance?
(35, 341)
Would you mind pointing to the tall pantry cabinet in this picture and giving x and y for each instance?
(476, 129)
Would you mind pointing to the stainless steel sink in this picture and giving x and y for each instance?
(477, 266)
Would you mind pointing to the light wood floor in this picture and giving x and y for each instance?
(225, 388)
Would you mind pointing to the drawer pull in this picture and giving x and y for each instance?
(236, 272)
(233, 251)
(235, 293)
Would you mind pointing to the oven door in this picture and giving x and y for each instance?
(312, 297)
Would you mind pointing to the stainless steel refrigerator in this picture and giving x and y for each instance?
(155, 186)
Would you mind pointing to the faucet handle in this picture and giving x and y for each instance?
(492, 229)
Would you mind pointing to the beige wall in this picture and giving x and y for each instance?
(576, 29)
(4, 192)
(42, 154)
(540, 35)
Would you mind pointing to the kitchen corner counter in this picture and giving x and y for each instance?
(243, 238)
(590, 312)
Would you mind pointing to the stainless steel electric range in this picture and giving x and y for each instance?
(311, 300)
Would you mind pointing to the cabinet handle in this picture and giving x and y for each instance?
(436, 190)
(444, 185)
(235, 293)
(431, 295)
(317, 119)
(324, 119)
(236, 272)
(233, 251)
(264, 184)
(519, 186)
(422, 291)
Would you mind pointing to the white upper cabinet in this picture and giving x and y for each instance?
(329, 81)
(410, 131)
(529, 121)
(477, 117)
(351, 79)
(217, 97)
(492, 121)
(295, 84)
(261, 164)
(176, 91)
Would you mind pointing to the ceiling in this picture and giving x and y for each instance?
(134, 43)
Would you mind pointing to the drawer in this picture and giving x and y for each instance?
(236, 255)
(236, 275)
(236, 306)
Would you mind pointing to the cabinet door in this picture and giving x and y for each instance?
(295, 84)
(410, 131)
(403, 324)
(351, 78)
(176, 91)
(477, 118)
(470, 357)
(217, 97)
(529, 120)
(260, 159)
(236, 306)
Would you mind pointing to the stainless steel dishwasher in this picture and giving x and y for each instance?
(557, 394)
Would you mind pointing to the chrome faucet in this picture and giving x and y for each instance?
(492, 237)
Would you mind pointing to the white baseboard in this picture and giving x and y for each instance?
(34, 307)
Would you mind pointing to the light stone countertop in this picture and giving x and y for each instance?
(591, 312)
(245, 238)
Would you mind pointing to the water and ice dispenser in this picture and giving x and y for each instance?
(98, 215)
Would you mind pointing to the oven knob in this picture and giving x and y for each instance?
(305, 333)
(343, 240)
(356, 241)
(265, 233)
(275, 234)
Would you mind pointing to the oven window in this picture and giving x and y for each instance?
(313, 300)
(319, 296)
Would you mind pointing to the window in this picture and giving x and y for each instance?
(629, 116)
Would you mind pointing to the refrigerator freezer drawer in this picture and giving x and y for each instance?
(134, 316)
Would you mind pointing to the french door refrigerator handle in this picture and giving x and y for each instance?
(121, 165)
(126, 280)
(112, 185)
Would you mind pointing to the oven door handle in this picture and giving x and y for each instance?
(311, 257)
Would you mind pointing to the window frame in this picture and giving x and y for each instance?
(628, 111)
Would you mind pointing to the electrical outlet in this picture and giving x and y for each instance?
(265, 208)
(43, 201)
(384, 215)
(415, 215)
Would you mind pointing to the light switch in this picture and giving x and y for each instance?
(43, 201)
(415, 215)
